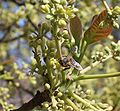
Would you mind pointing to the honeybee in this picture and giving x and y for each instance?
(68, 61)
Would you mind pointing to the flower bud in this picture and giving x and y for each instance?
(47, 86)
(63, 2)
(61, 102)
(116, 10)
(118, 42)
(60, 9)
(101, 54)
(107, 50)
(65, 34)
(62, 23)
(71, 1)
(29, 6)
(114, 45)
(88, 92)
(46, 1)
(117, 58)
(45, 104)
(115, 25)
(56, 1)
(45, 8)
(74, 10)
(49, 17)
(59, 94)
(103, 105)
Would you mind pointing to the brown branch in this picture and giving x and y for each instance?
(11, 40)
(7, 61)
(6, 33)
(37, 100)
(20, 2)
(30, 21)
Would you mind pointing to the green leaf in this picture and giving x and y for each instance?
(76, 29)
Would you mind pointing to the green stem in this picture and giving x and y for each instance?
(57, 42)
(49, 72)
(106, 6)
(83, 51)
(96, 76)
(95, 64)
(69, 102)
(58, 46)
(63, 76)
(79, 99)
(37, 58)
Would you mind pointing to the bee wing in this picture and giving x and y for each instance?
(76, 65)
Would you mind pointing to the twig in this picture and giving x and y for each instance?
(39, 98)
(6, 33)
(30, 21)
(18, 3)
(11, 40)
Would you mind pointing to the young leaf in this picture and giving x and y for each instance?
(100, 28)
(76, 29)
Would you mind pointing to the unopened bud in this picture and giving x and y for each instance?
(46, 1)
(113, 44)
(59, 94)
(63, 2)
(107, 50)
(62, 23)
(115, 25)
(56, 1)
(45, 8)
(116, 10)
(47, 86)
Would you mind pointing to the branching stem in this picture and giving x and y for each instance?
(69, 102)
(96, 76)
(79, 99)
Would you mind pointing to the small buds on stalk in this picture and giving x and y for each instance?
(98, 56)
(117, 58)
(49, 17)
(107, 50)
(45, 1)
(60, 9)
(63, 2)
(103, 106)
(115, 25)
(55, 1)
(45, 8)
(65, 34)
(62, 23)
(116, 10)
(114, 45)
